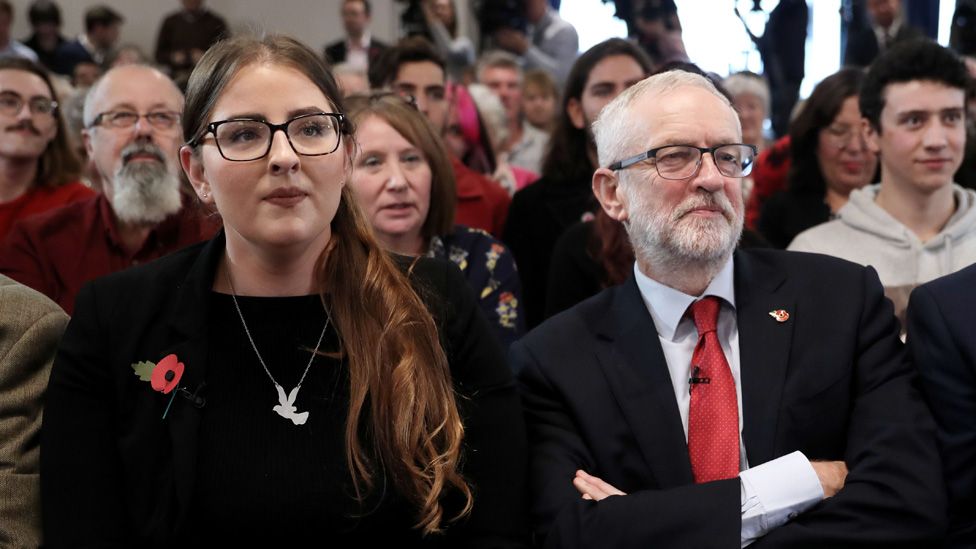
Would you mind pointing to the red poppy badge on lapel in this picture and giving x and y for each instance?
(164, 376)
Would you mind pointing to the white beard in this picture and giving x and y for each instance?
(145, 193)
(674, 241)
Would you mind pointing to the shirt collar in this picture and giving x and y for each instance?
(891, 31)
(86, 43)
(667, 305)
(363, 42)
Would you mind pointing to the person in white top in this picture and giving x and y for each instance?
(549, 43)
(917, 224)
(757, 397)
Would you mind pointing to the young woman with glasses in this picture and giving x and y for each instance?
(289, 381)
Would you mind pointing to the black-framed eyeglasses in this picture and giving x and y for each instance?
(244, 139)
(161, 120)
(684, 161)
(12, 102)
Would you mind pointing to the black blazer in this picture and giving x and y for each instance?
(537, 217)
(831, 381)
(115, 475)
(942, 343)
(787, 214)
(335, 52)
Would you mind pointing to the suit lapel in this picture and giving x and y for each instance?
(764, 349)
(638, 375)
(188, 326)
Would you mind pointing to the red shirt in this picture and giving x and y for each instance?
(769, 177)
(481, 202)
(58, 251)
(40, 199)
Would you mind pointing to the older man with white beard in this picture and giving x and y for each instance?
(717, 397)
(132, 134)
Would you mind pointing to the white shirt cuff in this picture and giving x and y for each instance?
(775, 492)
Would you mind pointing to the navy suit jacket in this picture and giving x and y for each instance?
(863, 48)
(68, 55)
(832, 381)
(942, 343)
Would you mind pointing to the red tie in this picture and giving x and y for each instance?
(713, 418)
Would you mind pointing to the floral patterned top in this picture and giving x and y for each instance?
(491, 273)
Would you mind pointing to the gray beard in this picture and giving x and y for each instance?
(145, 193)
(678, 243)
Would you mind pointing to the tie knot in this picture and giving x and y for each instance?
(705, 314)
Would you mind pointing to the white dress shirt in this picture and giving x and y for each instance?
(771, 493)
(357, 54)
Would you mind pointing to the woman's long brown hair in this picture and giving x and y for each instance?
(403, 421)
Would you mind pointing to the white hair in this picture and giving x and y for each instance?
(618, 133)
(93, 93)
(492, 112)
(746, 83)
(497, 59)
(145, 193)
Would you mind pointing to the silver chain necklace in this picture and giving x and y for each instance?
(286, 404)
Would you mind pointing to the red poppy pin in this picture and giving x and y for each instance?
(780, 315)
(164, 376)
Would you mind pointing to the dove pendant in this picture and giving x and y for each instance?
(286, 406)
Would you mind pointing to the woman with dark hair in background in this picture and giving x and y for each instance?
(288, 381)
(829, 159)
(541, 212)
(403, 181)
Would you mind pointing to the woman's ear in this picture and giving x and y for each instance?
(193, 167)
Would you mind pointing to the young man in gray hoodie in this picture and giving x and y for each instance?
(916, 225)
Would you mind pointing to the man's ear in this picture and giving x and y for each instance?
(870, 136)
(606, 188)
(193, 167)
(574, 108)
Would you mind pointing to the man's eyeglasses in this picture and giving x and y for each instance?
(161, 120)
(684, 161)
(243, 139)
(12, 102)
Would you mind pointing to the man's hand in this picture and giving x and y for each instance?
(831, 474)
(512, 40)
(594, 488)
